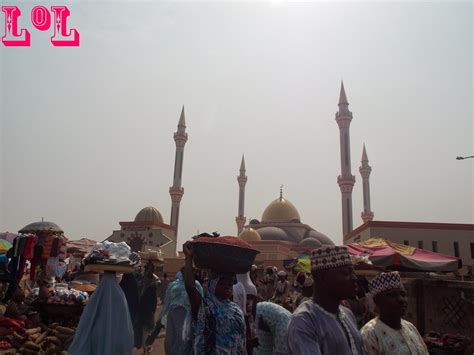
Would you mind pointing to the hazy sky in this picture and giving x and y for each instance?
(87, 132)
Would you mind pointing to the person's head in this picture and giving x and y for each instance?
(333, 272)
(221, 285)
(281, 275)
(389, 294)
(165, 276)
(149, 270)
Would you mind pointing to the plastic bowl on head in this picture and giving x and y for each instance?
(224, 254)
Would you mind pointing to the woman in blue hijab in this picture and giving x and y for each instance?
(219, 326)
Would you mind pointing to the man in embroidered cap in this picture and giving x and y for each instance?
(389, 333)
(321, 325)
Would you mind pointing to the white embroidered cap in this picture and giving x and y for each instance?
(330, 257)
(384, 282)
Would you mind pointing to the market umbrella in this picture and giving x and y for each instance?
(390, 255)
(42, 227)
(4, 246)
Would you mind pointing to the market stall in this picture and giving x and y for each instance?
(40, 314)
(394, 256)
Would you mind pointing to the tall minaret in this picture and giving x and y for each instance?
(242, 179)
(176, 191)
(365, 170)
(346, 180)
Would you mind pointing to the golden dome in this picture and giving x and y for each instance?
(250, 235)
(281, 210)
(149, 214)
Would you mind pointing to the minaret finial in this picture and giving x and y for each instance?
(281, 192)
(364, 155)
(242, 164)
(182, 120)
(342, 95)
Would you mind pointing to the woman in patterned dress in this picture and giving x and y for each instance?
(219, 326)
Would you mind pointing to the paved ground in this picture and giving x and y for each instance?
(158, 347)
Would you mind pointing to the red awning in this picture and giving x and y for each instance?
(387, 254)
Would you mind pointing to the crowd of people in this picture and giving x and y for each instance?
(225, 313)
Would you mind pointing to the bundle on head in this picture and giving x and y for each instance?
(223, 254)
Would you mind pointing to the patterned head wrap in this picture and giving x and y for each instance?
(384, 282)
(330, 258)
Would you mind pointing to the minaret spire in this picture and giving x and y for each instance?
(342, 96)
(281, 192)
(182, 121)
(365, 170)
(346, 180)
(176, 191)
(242, 179)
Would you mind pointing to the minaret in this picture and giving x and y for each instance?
(365, 170)
(242, 179)
(176, 191)
(346, 180)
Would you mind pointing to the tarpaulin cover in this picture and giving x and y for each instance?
(300, 263)
(83, 245)
(395, 256)
(105, 327)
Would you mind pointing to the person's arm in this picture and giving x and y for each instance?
(189, 280)
(154, 333)
(301, 340)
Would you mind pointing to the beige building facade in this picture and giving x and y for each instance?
(445, 238)
(147, 231)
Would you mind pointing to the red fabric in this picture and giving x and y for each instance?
(28, 251)
(396, 260)
(419, 254)
(423, 260)
(11, 323)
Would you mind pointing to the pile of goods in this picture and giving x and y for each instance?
(40, 340)
(109, 253)
(152, 256)
(225, 254)
(82, 286)
(67, 297)
(448, 343)
(63, 296)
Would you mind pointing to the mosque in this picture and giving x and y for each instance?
(279, 235)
